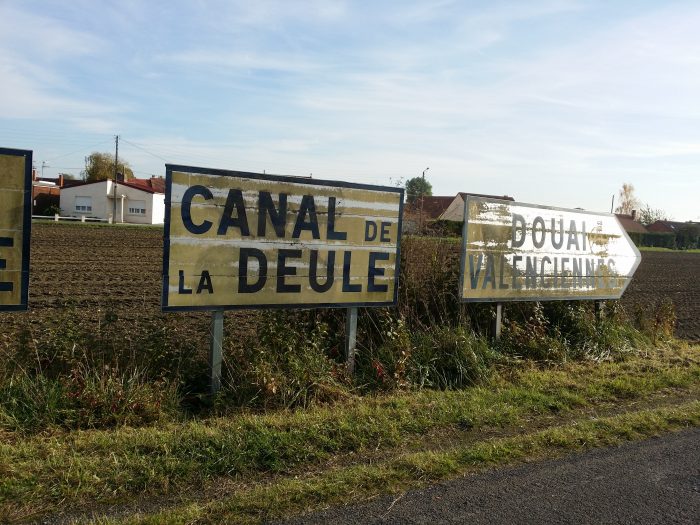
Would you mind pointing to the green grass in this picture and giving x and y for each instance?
(43, 473)
(261, 502)
(659, 249)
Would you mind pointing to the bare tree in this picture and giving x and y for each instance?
(627, 199)
(648, 215)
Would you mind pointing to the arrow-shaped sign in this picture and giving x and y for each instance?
(524, 252)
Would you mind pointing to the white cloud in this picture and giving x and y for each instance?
(242, 60)
(32, 50)
(642, 66)
(41, 38)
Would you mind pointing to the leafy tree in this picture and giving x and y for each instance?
(688, 236)
(68, 176)
(627, 200)
(100, 166)
(52, 209)
(648, 215)
(417, 187)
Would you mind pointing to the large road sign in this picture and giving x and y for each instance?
(15, 227)
(524, 252)
(240, 240)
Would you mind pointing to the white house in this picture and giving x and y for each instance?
(136, 201)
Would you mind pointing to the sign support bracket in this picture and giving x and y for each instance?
(350, 338)
(215, 351)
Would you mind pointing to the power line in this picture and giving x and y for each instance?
(144, 149)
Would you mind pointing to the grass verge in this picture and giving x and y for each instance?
(48, 473)
(356, 483)
(659, 249)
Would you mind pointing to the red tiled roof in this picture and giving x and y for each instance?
(433, 206)
(629, 224)
(152, 185)
(669, 226)
(68, 183)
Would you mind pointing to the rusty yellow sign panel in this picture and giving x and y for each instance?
(524, 252)
(243, 240)
(15, 227)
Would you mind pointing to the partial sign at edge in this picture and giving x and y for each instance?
(15, 227)
(513, 251)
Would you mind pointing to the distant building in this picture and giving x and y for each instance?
(438, 208)
(430, 206)
(630, 224)
(45, 193)
(138, 201)
(455, 211)
(670, 226)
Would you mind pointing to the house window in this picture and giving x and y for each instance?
(137, 207)
(83, 204)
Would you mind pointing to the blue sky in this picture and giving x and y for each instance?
(553, 102)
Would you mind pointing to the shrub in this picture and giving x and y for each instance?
(445, 357)
(87, 398)
(30, 404)
(533, 337)
(384, 350)
(429, 280)
(285, 364)
(657, 320)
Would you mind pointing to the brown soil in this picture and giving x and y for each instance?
(673, 275)
(97, 273)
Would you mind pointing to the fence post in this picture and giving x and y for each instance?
(55, 217)
(497, 322)
(350, 338)
(215, 350)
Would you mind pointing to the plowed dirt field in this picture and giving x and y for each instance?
(675, 275)
(92, 270)
(93, 274)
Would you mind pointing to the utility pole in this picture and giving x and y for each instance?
(612, 203)
(422, 197)
(114, 184)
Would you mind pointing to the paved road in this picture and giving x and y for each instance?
(648, 482)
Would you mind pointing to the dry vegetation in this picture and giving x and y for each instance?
(94, 370)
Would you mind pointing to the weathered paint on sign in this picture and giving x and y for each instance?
(237, 240)
(15, 227)
(523, 252)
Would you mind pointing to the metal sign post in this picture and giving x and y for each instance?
(215, 350)
(497, 323)
(350, 338)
